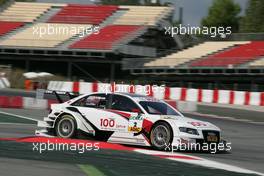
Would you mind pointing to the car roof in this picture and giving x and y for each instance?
(137, 97)
(131, 94)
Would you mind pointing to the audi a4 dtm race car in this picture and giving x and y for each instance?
(126, 119)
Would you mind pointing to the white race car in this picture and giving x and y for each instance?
(126, 119)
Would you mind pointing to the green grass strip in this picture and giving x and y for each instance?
(91, 170)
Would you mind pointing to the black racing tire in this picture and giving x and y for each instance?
(66, 127)
(161, 136)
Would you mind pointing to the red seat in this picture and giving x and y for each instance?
(7, 26)
(234, 56)
(83, 14)
(107, 36)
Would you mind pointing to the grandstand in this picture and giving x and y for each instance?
(132, 38)
(141, 15)
(120, 27)
(209, 55)
(26, 37)
(117, 23)
(107, 38)
(193, 53)
(83, 14)
(25, 12)
(234, 56)
(258, 63)
(7, 26)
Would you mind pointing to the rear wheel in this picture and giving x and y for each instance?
(161, 136)
(66, 127)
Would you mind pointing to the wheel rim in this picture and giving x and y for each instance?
(66, 127)
(161, 136)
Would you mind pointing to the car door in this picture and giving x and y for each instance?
(93, 109)
(131, 116)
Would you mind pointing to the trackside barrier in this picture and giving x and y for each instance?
(11, 102)
(167, 93)
(4, 83)
(186, 106)
(25, 102)
(60, 85)
(33, 103)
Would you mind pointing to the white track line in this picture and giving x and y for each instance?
(242, 120)
(24, 124)
(19, 116)
(224, 117)
(258, 123)
(218, 165)
(199, 161)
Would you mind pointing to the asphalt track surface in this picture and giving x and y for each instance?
(246, 138)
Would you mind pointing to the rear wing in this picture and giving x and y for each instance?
(60, 95)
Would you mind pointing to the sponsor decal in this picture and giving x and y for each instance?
(107, 123)
(197, 123)
(110, 124)
(134, 127)
(138, 117)
(120, 126)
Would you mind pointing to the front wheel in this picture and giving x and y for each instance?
(161, 136)
(66, 127)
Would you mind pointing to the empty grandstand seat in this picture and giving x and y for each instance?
(192, 53)
(142, 15)
(83, 14)
(24, 11)
(234, 56)
(29, 38)
(106, 38)
(258, 63)
(7, 26)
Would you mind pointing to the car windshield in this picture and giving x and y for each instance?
(158, 108)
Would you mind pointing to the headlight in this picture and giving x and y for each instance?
(189, 130)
